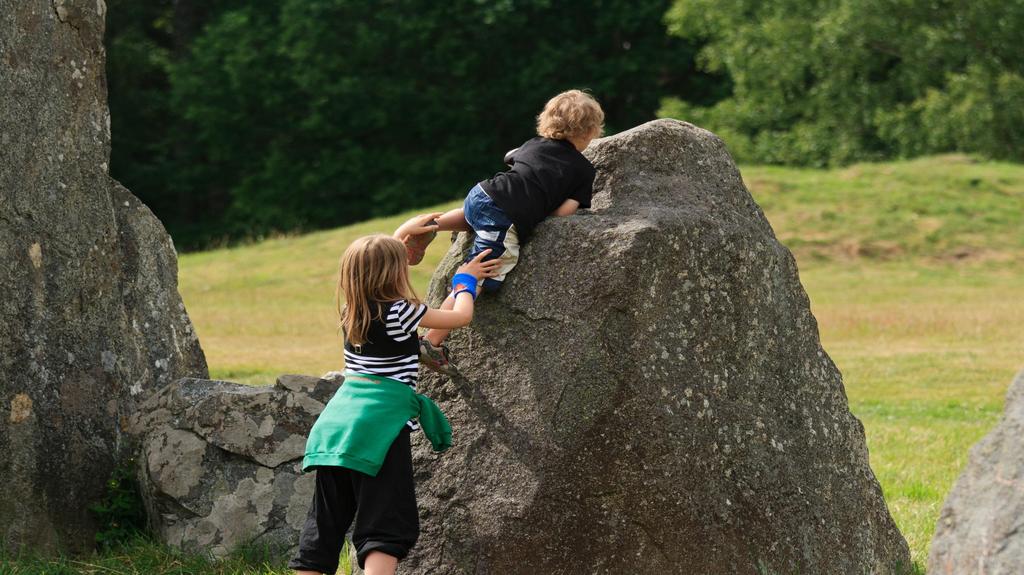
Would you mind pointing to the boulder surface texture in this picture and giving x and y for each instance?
(221, 463)
(648, 394)
(981, 527)
(90, 317)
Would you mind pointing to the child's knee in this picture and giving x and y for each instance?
(377, 561)
(395, 550)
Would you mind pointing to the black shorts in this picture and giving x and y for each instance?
(387, 520)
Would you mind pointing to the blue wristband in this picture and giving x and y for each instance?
(464, 283)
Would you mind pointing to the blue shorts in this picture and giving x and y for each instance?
(494, 231)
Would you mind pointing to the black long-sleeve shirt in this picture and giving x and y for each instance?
(543, 174)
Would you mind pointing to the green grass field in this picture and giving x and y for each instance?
(144, 557)
(913, 270)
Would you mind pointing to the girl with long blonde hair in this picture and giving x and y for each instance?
(359, 445)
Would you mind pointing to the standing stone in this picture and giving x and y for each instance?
(648, 394)
(981, 527)
(90, 317)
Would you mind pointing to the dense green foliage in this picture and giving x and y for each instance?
(238, 119)
(121, 515)
(829, 82)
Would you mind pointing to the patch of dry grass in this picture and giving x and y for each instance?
(927, 353)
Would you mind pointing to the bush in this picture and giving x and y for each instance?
(824, 83)
(121, 515)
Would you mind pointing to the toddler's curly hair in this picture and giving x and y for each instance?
(571, 114)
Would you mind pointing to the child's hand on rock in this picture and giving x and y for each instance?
(479, 268)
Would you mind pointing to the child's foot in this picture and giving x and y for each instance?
(436, 357)
(416, 246)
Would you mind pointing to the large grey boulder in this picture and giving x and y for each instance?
(648, 394)
(981, 527)
(220, 463)
(90, 317)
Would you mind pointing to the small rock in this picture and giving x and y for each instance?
(981, 527)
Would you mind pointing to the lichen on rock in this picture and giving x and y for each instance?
(221, 463)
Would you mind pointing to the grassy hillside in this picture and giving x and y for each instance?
(937, 209)
(267, 308)
(913, 270)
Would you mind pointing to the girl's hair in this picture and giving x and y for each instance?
(570, 115)
(372, 269)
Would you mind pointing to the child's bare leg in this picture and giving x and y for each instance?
(436, 336)
(453, 221)
(380, 563)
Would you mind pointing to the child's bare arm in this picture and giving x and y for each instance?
(462, 313)
(453, 221)
(416, 225)
(459, 316)
(450, 221)
(567, 208)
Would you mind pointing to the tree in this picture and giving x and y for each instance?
(834, 82)
(152, 148)
(304, 114)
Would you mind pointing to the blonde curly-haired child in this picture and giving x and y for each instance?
(548, 175)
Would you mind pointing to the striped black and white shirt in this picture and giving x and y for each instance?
(392, 348)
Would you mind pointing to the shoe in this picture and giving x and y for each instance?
(436, 358)
(416, 246)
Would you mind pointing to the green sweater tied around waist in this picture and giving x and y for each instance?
(358, 425)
